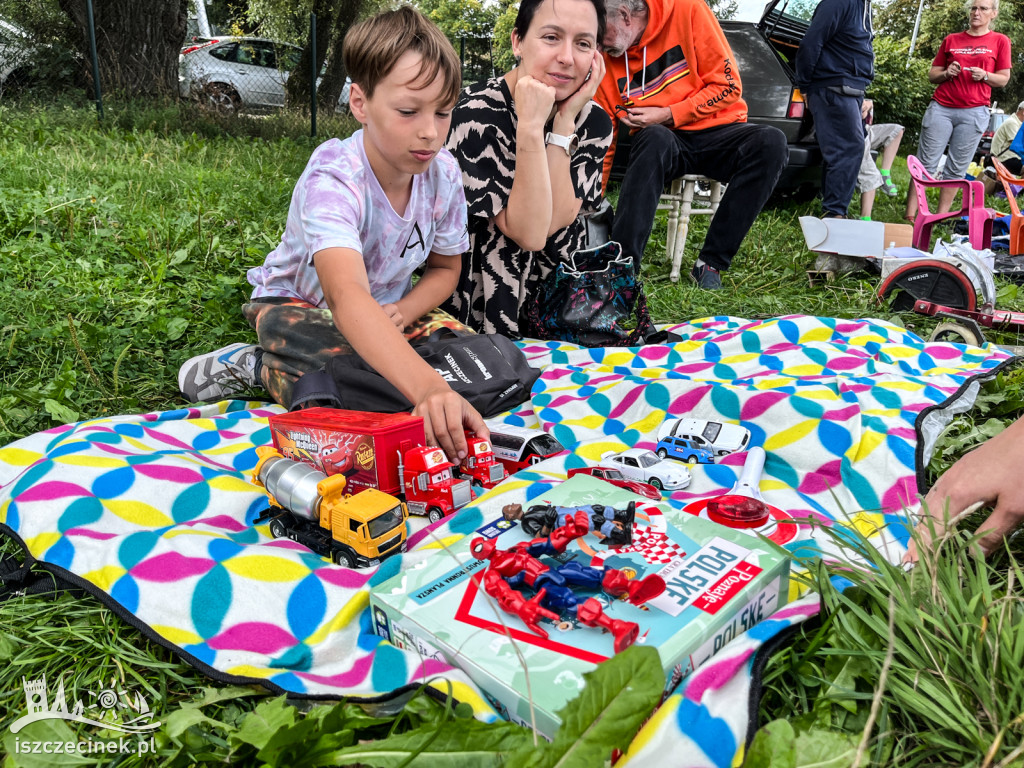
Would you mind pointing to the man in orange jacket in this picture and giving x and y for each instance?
(672, 81)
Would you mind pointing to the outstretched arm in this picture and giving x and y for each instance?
(375, 337)
(989, 474)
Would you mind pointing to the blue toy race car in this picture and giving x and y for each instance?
(685, 450)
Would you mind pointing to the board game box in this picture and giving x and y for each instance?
(719, 583)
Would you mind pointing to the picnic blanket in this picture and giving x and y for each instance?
(152, 513)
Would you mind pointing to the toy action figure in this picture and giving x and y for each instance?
(553, 584)
(614, 527)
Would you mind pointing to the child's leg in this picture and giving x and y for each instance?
(297, 338)
(433, 321)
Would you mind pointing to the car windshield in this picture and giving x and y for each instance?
(648, 459)
(711, 431)
(545, 445)
(386, 522)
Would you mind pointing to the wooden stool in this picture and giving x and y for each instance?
(679, 203)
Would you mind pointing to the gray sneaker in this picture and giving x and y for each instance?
(217, 375)
(707, 278)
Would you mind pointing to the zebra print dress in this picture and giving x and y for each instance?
(497, 274)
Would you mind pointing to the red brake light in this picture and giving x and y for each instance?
(192, 48)
(796, 105)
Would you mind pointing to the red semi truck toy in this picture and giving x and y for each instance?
(480, 463)
(384, 451)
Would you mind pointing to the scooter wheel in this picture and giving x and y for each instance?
(957, 334)
(930, 280)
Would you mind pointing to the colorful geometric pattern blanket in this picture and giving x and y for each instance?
(153, 513)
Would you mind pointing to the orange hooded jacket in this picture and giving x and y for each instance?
(683, 62)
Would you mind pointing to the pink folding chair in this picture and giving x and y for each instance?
(972, 205)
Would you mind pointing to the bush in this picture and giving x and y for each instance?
(901, 93)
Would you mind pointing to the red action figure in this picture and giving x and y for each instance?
(552, 584)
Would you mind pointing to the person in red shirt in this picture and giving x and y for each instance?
(966, 68)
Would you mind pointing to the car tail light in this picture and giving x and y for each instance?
(192, 48)
(796, 105)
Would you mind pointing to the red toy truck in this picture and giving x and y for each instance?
(385, 451)
(480, 463)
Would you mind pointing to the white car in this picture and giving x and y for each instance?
(715, 436)
(17, 54)
(645, 466)
(231, 73)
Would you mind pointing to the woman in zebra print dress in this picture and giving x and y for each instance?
(531, 146)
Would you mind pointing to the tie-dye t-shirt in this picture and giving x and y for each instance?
(338, 203)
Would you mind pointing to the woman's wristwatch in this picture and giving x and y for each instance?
(568, 143)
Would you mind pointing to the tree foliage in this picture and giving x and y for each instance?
(470, 26)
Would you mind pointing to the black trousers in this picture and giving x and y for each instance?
(840, 131)
(748, 157)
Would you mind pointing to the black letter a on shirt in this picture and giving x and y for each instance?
(415, 239)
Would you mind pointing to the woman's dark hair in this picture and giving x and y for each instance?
(527, 8)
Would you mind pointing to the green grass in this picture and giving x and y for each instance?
(123, 249)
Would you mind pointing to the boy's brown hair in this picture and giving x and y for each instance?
(373, 47)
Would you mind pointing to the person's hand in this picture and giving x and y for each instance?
(641, 117)
(977, 73)
(447, 416)
(865, 108)
(573, 105)
(989, 475)
(953, 70)
(534, 101)
(394, 315)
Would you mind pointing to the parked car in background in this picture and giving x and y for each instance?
(25, 62)
(616, 478)
(996, 117)
(229, 74)
(644, 466)
(764, 51)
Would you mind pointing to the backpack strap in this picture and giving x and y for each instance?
(316, 388)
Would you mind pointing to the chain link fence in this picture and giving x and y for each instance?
(233, 81)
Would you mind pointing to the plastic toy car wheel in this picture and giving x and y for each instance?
(277, 529)
(434, 515)
(656, 483)
(662, 453)
(692, 460)
(342, 558)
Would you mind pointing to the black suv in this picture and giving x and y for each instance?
(763, 53)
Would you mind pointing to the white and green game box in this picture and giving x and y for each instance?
(719, 583)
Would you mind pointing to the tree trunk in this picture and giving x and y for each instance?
(298, 87)
(137, 43)
(334, 78)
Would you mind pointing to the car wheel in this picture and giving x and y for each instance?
(662, 453)
(434, 515)
(656, 483)
(692, 459)
(277, 529)
(222, 99)
(342, 558)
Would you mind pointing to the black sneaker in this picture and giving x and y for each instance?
(706, 277)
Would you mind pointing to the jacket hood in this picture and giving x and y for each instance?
(657, 13)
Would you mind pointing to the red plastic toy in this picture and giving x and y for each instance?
(552, 585)
(385, 451)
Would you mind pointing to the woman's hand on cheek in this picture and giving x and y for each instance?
(573, 105)
(534, 101)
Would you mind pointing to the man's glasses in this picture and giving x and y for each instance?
(980, 9)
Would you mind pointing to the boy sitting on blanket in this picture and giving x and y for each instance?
(365, 213)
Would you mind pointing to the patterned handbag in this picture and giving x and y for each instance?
(594, 300)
